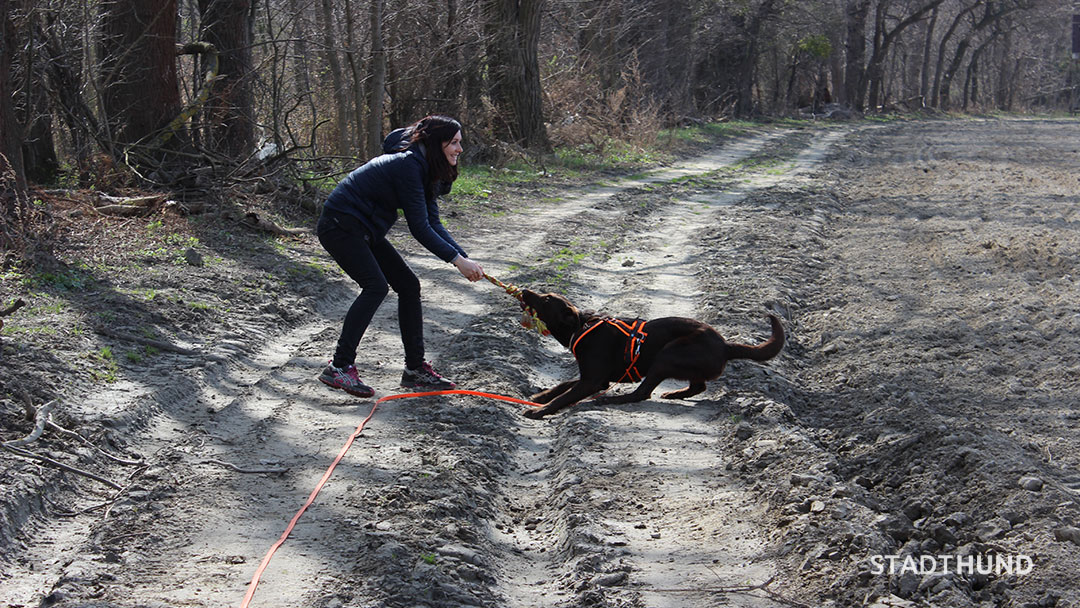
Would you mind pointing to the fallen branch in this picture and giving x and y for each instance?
(158, 344)
(257, 222)
(42, 417)
(56, 427)
(10, 309)
(232, 466)
(128, 206)
(59, 465)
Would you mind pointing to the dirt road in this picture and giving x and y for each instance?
(925, 406)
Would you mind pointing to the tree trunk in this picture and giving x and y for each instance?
(854, 74)
(597, 40)
(377, 89)
(678, 45)
(340, 98)
(301, 66)
(835, 80)
(954, 65)
(992, 14)
(513, 33)
(875, 65)
(140, 92)
(352, 55)
(227, 25)
(971, 88)
(924, 79)
(12, 179)
(1005, 82)
(748, 62)
(66, 83)
(474, 83)
(39, 154)
(935, 94)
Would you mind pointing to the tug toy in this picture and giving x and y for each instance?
(529, 320)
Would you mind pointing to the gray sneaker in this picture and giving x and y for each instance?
(346, 379)
(425, 377)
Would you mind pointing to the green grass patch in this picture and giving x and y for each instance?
(13, 329)
(62, 279)
(613, 156)
(103, 367)
(705, 133)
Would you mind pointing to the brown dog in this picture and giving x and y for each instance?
(619, 350)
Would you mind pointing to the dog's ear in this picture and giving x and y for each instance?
(568, 317)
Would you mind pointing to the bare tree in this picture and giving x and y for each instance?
(927, 52)
(140, 90)
(13, 203)
(353, 55)
(377, 88)
(10, 129)
(66, 83)
(992, 13)
(337, 80)
(943, 44)
(512, 31)
(884, 37)
(855, 72)
(227, 25)
(33, 111)
(749, 60)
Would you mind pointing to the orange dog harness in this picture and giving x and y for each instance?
(635, 337)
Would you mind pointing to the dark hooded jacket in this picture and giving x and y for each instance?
(376, 191)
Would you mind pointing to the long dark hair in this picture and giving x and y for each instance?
(433, 132)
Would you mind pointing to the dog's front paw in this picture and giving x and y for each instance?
(535, 413)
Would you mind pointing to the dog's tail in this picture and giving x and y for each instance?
(764, 351)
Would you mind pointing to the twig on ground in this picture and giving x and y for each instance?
(56, 427)
(49, 461)
(229, 465)
(10, 309)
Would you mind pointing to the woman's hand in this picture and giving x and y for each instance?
(470, 269)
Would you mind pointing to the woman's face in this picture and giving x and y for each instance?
(452, 149)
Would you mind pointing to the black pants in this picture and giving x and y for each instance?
(374, 264)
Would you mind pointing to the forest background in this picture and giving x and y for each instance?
(201, 97)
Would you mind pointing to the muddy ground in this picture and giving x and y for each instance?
(925, 406)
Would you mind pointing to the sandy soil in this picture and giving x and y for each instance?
(925, 406)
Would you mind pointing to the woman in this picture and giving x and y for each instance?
(353, 226)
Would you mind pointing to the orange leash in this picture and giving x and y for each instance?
(326, 476)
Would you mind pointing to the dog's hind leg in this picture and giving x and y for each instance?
(690, 391)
